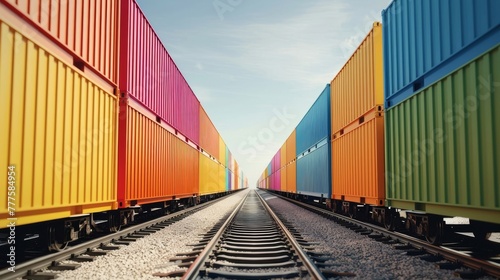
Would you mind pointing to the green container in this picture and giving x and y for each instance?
(443, 144)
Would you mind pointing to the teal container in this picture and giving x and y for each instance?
(442, 144)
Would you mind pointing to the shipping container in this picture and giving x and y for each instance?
(314, 172)
(209, 137)
(228, 179)
(291, 177)
(358, 87)
(269, 168)
(276, 180)
(283, 165)
(222, 178)
(59, 130)
(442, 144)
(154, 164)
(358, 164)
(283, 186)
(209, 177)
(149, 75)
(276, 161)
(315, 125)
(424, 41)
(88, 30)
(291, 147)
(222, 151)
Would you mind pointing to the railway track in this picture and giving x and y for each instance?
(87, 251)
(252, 243)
(481, 259)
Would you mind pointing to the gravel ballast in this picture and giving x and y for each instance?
(151, 254)
(352, 252)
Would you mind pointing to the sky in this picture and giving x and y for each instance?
(257, 66)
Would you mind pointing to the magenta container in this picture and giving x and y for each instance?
(149, 75)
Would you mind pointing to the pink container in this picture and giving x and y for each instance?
(149, 75)
(277, 180)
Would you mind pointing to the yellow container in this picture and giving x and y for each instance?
(291, 148)
(209, 176)
(222, 178)
(59, 131)
(359, 85)
(222, 151)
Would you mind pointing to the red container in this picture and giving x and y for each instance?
(150, 76)
(154, 164)
(209, 137)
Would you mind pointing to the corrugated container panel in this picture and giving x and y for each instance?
(442, 144)
(59, 131)
(269, 168)
(236, 176)
(315, 125)
(228, 179)
(222, 178)
(228, 155)
(222, 151)
(283, 186)
(314, 173)
(283, 161)
(358, 164)
(209, 176)
(426, 40)
(276, 161)
(277, 185)
(291, 147)
(359, 84)
(87, 29)
(149, 158)
(186, 169)
(151, 76)
(209, 137)
(291, 177)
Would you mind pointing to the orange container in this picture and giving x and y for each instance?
(291, 177)
(358, 162)
(87, 29)
(153, 163)
(358, 87)
(209, 137)
(291, 147)
(58, 129)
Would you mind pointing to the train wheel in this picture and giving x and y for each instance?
(436, 231)
(353, 209)
(390, 219)
(54, 243)
(114, 224)
(480, 230)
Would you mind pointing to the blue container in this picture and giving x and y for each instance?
(315, 126)
(425, 40)
(270, 168)
(314, 171)
(228, 179)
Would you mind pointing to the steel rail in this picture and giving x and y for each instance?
(451, 255)
(32, 266)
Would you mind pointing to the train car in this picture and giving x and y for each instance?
(442, 128)
(87, 148)
(357, 125)
(314, 153)
(60, 145)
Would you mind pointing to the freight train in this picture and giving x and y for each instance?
(407, 132)
(98, 123)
